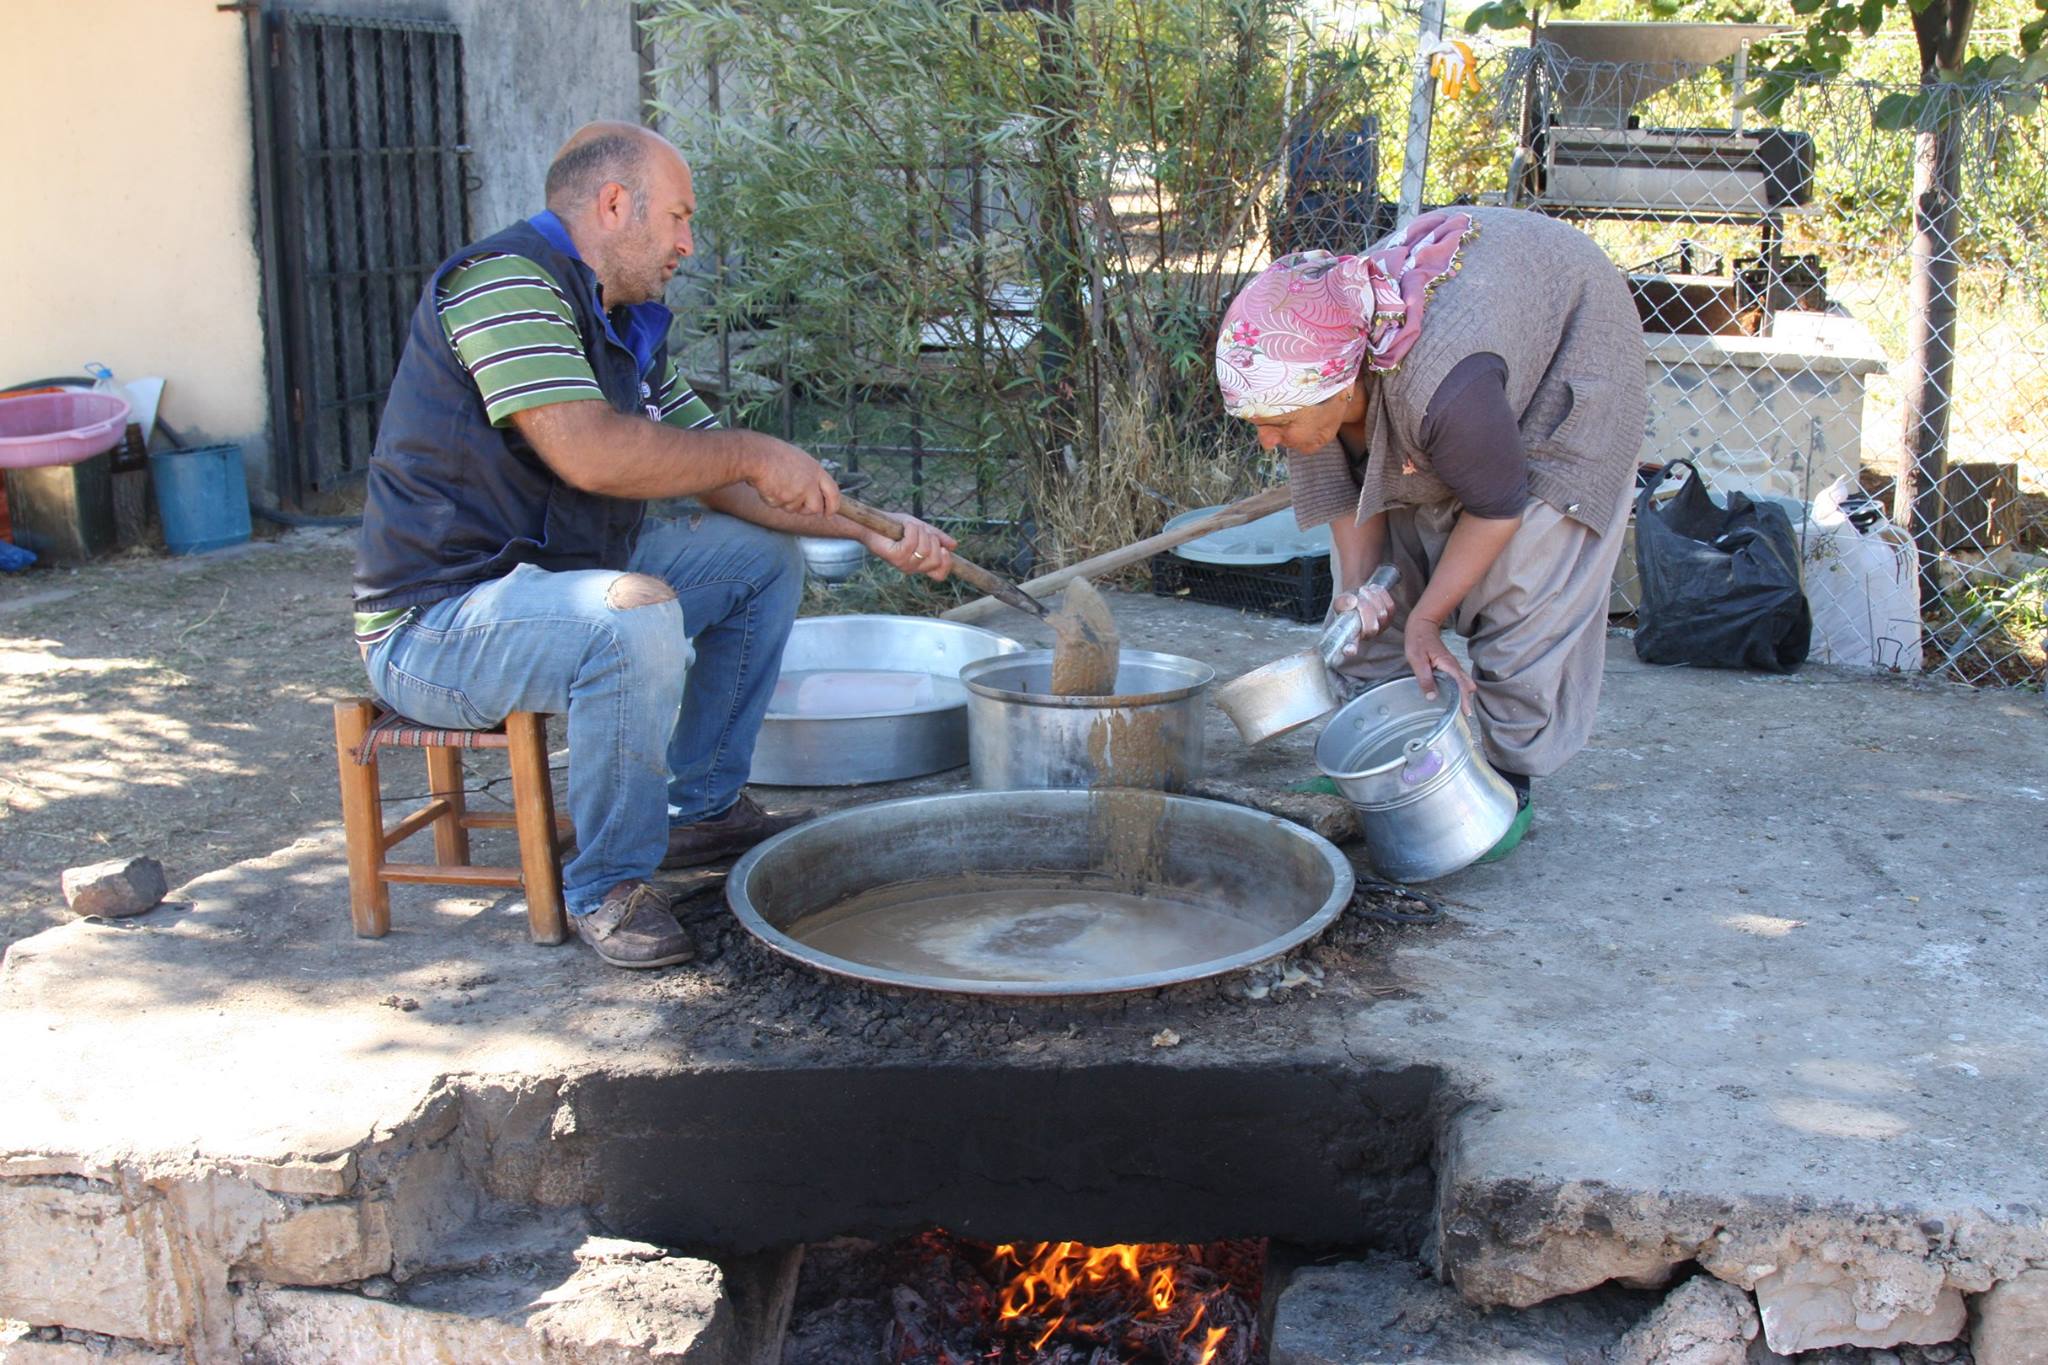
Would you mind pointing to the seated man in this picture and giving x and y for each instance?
(503, 565)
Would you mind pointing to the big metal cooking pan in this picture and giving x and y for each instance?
(878, 743)
(1235, 886)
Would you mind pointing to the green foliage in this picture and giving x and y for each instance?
(1013, 213)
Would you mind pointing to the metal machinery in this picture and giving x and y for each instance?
(1585, 152)
(1584, 147)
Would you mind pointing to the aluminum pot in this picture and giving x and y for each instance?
(1289, 693)
(1428, 801)
(1278, 697)
(1148, 733)
(848, 746)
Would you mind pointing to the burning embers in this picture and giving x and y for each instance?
(1162, 1301)
(937, 1300)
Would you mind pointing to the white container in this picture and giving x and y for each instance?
(1863, 587)
(832, 559)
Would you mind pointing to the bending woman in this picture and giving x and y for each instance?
(1465, 401)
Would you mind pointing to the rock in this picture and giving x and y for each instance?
(1385, 1308)
(670, 1310)
(29, 1346)
(1811, 1304)
(1330, 816)
(1703, 1322)
(325, 1244)
(610, 1303)
(2011, 1326)
(75, 1252)
(123, 886)
(321, 1327)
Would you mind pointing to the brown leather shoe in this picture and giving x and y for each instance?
(632, 928)
(727, 835)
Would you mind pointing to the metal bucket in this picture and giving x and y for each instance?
(1427, 801)
(875, 892)
(924, 730)
(1148, 733)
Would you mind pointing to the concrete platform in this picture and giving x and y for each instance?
(1761, 991)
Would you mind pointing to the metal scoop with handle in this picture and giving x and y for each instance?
(1292, 691)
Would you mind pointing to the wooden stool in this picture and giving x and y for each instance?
(361, 727)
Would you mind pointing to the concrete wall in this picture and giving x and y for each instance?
(534, 70)
(130, 231)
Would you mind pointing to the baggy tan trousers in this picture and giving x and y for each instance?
(1535, 628)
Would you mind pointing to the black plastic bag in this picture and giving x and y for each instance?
(1720, 584)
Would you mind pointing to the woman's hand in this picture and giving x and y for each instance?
(1423, 642)
(924, 549)
(1375, 607)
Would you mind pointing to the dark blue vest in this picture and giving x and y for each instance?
(452, 501)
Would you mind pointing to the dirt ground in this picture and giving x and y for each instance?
(168, 707)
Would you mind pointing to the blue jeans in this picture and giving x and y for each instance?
(611, 652)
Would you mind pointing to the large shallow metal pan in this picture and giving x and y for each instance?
(1225, 887)
(830, 726)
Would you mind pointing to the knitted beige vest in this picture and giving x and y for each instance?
(1543, 297)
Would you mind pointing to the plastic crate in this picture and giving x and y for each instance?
(1298, 589)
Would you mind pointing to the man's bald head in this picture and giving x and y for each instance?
(623, 192)
(600, 154)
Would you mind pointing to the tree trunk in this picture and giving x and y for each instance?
(1061, 340)
(1942, 30)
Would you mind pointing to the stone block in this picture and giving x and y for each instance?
(635, 1306)
(322, 1327)
(1386, 1308)
(628, 1311)
(324, 1244)
(322, 1178)
(82, 1256)
(30, 1346)
(118, 887)
(1703, 1322)
(1811, 1304)
(2011, 1322)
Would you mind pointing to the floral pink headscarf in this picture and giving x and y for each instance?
(1298, 333)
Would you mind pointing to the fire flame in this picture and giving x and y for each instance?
(1050, 1274)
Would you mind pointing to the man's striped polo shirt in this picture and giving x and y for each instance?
(515, 332)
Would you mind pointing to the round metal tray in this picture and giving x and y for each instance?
(1271, 539)
(1039, 893)
(829, 726)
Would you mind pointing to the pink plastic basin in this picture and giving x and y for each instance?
(58, 428)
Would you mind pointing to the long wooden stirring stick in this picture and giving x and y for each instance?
(1235, 514)
(1001, 588)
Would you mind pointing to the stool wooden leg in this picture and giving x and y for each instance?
(444, 779)
(533, 807)
(362, 820)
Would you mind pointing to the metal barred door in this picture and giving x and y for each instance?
(367, 191)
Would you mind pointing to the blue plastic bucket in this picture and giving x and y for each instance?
(203, 495)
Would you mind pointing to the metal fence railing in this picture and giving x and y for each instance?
(913, 459)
